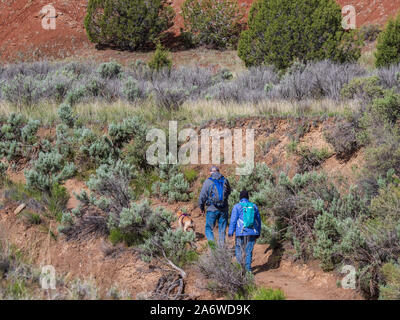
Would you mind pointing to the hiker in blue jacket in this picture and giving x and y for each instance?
(214, 194)
(246, 224)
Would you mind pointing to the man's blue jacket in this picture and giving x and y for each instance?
(236, 224)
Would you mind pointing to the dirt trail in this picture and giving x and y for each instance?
(298, 281)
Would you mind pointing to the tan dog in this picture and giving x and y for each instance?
(185, 221)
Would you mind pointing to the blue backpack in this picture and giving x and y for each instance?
(216, 193)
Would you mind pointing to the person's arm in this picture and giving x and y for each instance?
(203, 196)
(233, 222)
(258, 218)
(228, 189)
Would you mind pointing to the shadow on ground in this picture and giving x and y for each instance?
(273, 262)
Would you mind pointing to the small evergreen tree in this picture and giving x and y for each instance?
(127, 24)
(388, 47)
(282, 31)
(160, 59)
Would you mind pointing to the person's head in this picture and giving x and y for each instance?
(244, 194)
(214, 169)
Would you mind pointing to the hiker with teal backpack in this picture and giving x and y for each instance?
(246, 224)
(214, 195)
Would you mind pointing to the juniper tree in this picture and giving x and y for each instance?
(388, 47)
(127, 24)
(283, 31)
(160, 59)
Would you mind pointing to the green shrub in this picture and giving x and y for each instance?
(115, 236)
(383, 152)
(18, 138)
(388, 107)
(342, 136)
(121, 23)
(49, 169)
(215, 23)
(96, 87)
(132, 91)
(170, 98)
(160, 59)
(110, 70)
(379, 245)
(66, 115)
(31, 218)
(364, 89)
(312, 159)
(84, 147)
(190, 175)
(391, 290)
(269, 234)
(281, 32)
(176, 244)
(111, 199)
(327, 243)
(371, 239)
(172, 185)
(57, 201)
(100, 210)
(3, 172)
(135, 152)
(87, 149)
(226, 74)
(123, 132)
(294, 205)
(110, 180)
(291, 147)
(388, 47)
(24, 90)
(257, 183)
(75, 96)
(225, 276)
(387, 203)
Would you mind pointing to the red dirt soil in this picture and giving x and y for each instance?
(22, 37)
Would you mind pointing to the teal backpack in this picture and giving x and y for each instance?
(248, 215)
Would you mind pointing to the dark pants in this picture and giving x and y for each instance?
(244, 250)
